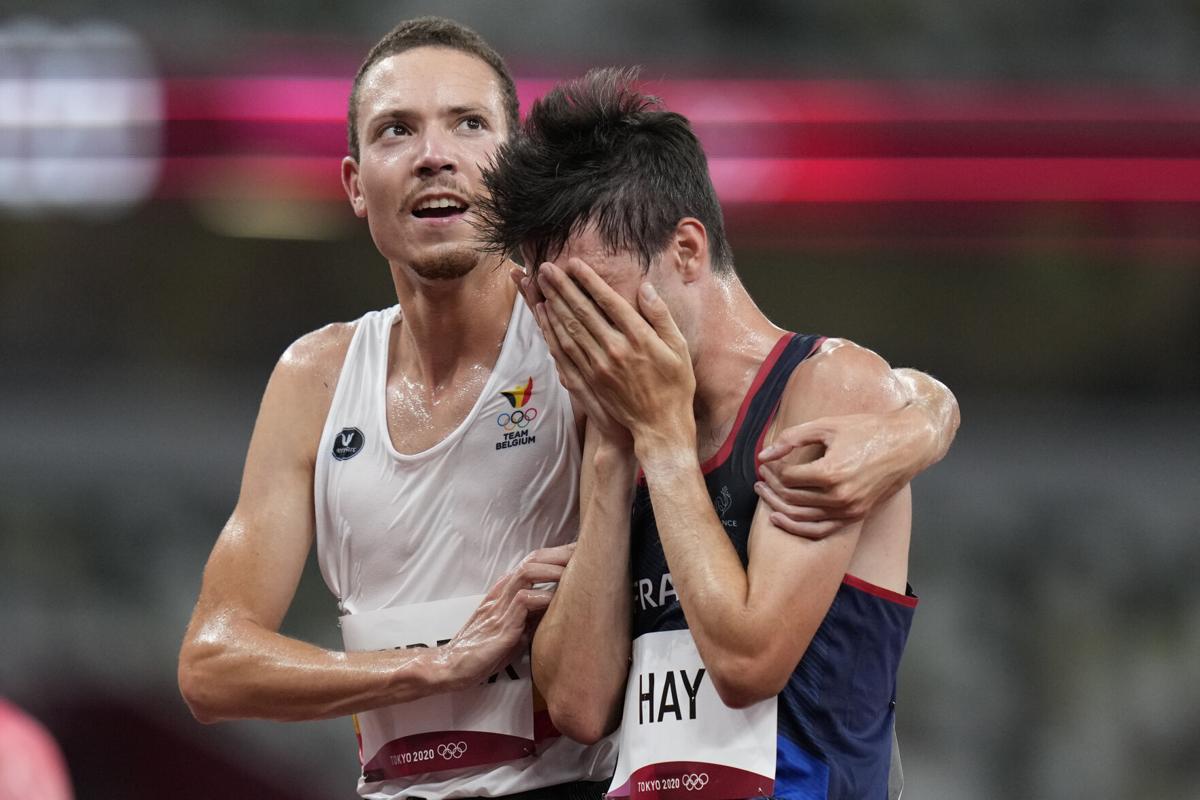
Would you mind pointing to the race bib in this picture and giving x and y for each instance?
(482, 725)
(678, 740)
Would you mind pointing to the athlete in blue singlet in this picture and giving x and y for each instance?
(744, 662)
(835, 715)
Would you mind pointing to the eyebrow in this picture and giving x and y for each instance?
(407, 113)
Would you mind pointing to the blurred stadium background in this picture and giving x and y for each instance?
(1005, 195)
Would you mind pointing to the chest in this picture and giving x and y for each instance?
(419, 416)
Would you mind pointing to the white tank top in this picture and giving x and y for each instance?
(395, 530)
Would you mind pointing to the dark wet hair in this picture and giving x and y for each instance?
(597, 150)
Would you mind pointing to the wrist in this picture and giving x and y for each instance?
(666, 448)
(447, 670)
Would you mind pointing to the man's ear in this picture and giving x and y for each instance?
(353, 186)
(690, 247)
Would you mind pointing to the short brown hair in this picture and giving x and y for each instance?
(597, 150)
(432, 32)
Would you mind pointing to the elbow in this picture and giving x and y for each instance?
(583, 707)
(584, 710)
(741, 681)
(197, 687)
(580, 716)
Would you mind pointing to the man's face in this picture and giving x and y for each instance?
(428, 119)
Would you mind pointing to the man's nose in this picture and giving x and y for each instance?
(437, 154)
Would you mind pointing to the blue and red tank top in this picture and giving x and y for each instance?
(837, 711)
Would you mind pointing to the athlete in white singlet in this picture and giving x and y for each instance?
(428, 451)
(455, 529)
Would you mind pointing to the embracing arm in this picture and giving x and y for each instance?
(863, 459)
(234, 663)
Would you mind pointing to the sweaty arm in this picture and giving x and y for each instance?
(234, 663)
(582, 645)
(864, 459)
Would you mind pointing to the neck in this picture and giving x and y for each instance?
(727, 351)
(449, 325)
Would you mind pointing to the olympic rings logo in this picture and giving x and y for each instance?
(517, 419)
(452, 750)
(695, 782)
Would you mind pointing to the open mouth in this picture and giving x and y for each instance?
(440, 208)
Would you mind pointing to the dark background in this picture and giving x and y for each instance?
(1004, 195)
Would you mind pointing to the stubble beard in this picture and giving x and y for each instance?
(447, 265)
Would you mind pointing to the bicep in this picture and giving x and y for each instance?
(791, 578)
(256, 564)
(792, 582)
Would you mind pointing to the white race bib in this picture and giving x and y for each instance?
(482, 725)
(678, 740)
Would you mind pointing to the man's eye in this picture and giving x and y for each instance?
(396, 129)
(473, 124)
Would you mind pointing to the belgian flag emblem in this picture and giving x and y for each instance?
(518, 396)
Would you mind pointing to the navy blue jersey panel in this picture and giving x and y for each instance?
(836, 713)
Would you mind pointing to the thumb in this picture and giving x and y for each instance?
(789, 439)
(657, 314)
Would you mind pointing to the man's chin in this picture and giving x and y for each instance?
(445, 264)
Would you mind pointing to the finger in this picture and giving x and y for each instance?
(574, 340)
(794, 494)
(806, 514)
(789, 494)
(553, 555)
(659, 316)
(523, 283)
(571, 302)
(811, 476)
(527, 575)
(568, 373)
(799, 513)
(537, 572)
(806, 530)
(797, 495)
(533, 290)
(619, 310)
(535, 600)
(789, 439)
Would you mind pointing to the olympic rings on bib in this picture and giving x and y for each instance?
(452, 750)
(517, 419)
(694, 782)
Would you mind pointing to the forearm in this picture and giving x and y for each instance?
(581, 648)
(708, 576)
(750, 625)
(235, 669)
(933, 413)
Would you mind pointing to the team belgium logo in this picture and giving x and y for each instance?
(515, 422)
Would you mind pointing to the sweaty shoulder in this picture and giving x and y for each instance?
(842, 378)
(315, 359)
(301, 388)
